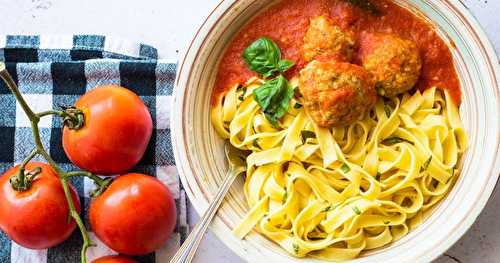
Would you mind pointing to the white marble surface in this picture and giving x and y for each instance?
(168, 25)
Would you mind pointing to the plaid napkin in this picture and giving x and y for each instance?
(56, 70)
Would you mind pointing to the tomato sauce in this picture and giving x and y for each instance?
(287, 22)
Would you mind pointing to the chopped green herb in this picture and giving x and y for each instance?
(377, 177)
(426, 164)
(331, 207)
(273, 97)
(295, 248)
(387, 222)
(297, 106)
(306, 135)
(387, 111)
(356, 210)
(255, 143)
(264, 57)
(285, 196)
(242, 95)
(365, 5)
(394, 139)
(345, 168)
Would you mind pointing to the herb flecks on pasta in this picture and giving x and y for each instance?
(333, 193)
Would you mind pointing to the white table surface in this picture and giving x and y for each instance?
(169, 25)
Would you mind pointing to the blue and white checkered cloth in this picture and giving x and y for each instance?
(56, 70)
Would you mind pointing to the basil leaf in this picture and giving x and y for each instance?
(394, 139)
(262, 56)
(297, 106)
(284, 65)
(273, 97)
(265, 93)
(306, 135)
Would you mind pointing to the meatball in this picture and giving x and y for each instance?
(394, 62)
(323, 38)
(336, 93)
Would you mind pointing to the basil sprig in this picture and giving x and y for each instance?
(264, 57)
(273, 97)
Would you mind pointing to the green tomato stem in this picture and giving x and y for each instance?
(102, 184)
(73, 118)
(50, 112)
(20, 182)
(34, 120)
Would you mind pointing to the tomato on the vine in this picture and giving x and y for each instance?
(115, 133)
(36, 218)
(135, 215)
(114, 259)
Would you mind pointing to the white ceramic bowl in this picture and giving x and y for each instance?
(199, 151)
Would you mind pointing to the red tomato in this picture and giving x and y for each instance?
(114, 259)
(38, 217)
(115, 134)
(135, 215)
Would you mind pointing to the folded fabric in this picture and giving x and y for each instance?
(54, 71)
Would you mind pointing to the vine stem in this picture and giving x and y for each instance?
(64, 177)
(50, 112)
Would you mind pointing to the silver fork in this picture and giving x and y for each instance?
(236, 159)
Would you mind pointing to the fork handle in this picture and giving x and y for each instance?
(186, 252)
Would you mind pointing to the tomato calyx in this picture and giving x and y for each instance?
(73, 118)
(23, 179)
(101, 187)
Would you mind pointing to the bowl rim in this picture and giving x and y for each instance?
(180, 154)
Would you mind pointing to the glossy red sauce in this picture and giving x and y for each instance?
(287, 22)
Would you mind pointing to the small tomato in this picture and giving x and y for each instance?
(135, 215)
(114, 259)
(116, 131)
(38, 217)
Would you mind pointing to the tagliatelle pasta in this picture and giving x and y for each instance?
(333, 193)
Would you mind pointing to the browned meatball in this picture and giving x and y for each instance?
(394, 62)
(323, 38)
(336, 93)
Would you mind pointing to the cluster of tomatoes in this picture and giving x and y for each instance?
(134, 215)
